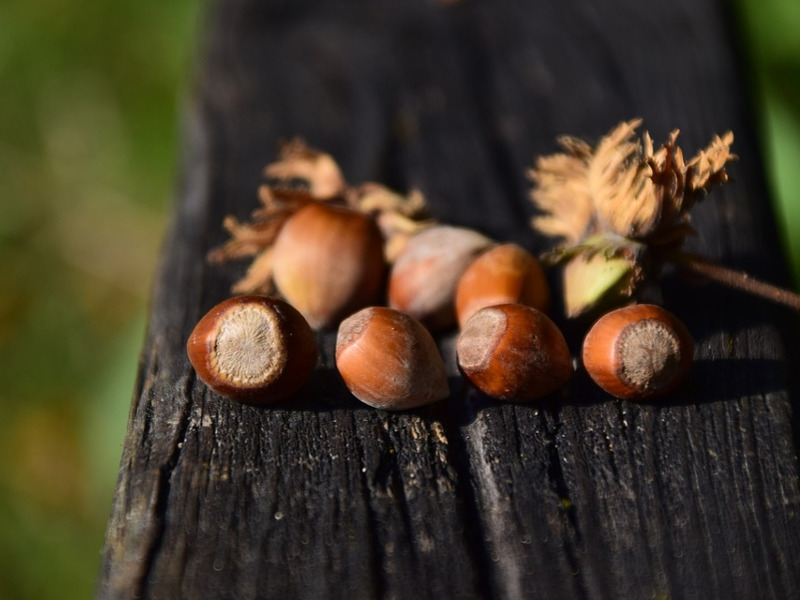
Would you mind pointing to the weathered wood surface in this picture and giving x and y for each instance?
(581, 496)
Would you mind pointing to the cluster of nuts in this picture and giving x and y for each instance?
(327, 260)
(259, 349)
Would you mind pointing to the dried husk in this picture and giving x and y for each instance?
(299, 176)
(620, 200)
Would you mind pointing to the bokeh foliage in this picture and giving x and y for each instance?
(88, 135)
(88, 113)
(769, 29)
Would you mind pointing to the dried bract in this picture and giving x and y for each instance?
(622, 199)
(302, 176)
(300, 167)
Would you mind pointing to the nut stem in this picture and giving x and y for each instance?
(735, 279)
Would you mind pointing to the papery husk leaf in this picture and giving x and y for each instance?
(562, 193)
(297, 162)
(277, 201)
(258, 279)
(623, 186)
(668, 174)
(707, 168)
(398, 216)
(397, 229)
(247, 239)
(375, 198)
(624, 196)
(608, 244)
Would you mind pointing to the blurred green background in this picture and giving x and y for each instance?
(91, 93)
(770, 33)
(90, 96)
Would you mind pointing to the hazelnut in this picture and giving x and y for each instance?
(639, 351)
(595, 283)
(389, 360)
(424, 276)
(328, 262)
(255, 349)
(513, 352)
(506, 274)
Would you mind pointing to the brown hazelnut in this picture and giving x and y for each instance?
(328, 262)
(639, 351)
(513, 352)
(255, 349)
(506, 274)
(389, 360)
(424, 276)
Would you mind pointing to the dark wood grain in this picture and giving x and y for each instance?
(580, 496)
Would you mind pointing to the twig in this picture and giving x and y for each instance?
(735, 279)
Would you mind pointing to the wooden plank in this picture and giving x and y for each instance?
(578, 497)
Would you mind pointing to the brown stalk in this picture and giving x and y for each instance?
(732, 278)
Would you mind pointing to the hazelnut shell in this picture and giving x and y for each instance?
(254, 349)
(505, 274)
(425, 275)
(328, 262)
(389, 360)
(637, 352)
(513, 352)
